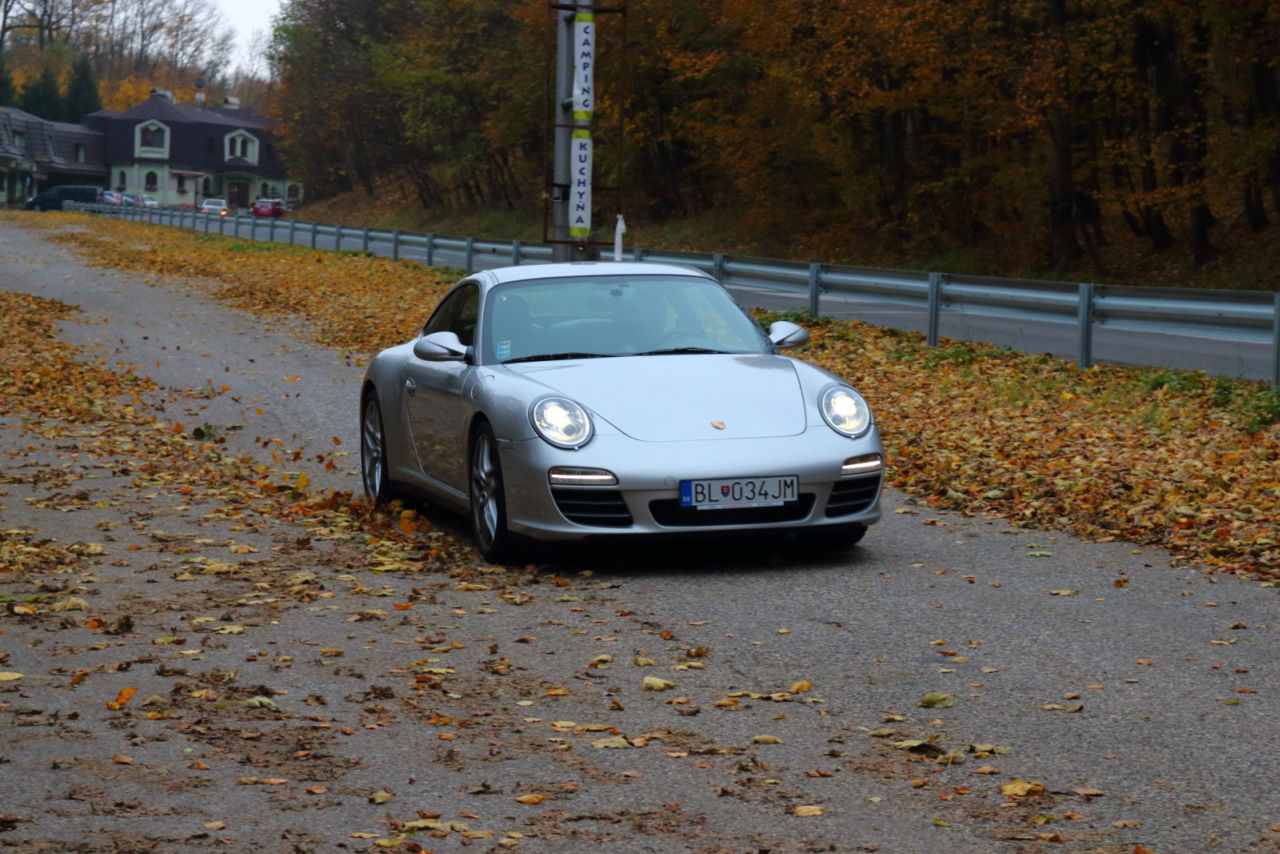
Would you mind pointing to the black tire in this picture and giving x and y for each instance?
(844, 537)
(374, 471)
(488, 500)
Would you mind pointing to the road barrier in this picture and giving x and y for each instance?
(1236, 317)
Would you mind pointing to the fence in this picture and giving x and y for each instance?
(1171, 322)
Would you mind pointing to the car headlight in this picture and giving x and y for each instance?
(845, 411)
(561, 422)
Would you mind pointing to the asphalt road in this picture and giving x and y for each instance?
(1141, 698)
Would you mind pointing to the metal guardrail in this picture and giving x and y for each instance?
(1228, 316)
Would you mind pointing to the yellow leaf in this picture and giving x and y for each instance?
(10, 677)
(765, 739)
(800, 687)
(809, 809)
(531, 799)
(1017, 787)
(653, 683)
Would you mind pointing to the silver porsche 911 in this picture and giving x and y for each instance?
(571, 401)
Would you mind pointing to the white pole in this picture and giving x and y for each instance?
(618, 230)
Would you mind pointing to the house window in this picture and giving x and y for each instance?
(266, 191)
(152, 137)
(120, 182)
(19, 140)
(152, 182)
(243, 145)
(79, 152)
(208, 187)
(182, 183)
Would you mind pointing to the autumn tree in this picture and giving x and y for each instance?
(7, 93)
(82, 92)
(40, 97)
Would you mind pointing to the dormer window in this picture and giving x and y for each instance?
(243, 145)
(151, 139)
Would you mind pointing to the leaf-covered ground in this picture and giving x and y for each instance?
(1160, 458)
(203, 652)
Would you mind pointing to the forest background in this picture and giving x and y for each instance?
(1133, 141)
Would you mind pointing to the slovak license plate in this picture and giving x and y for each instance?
(739, 492)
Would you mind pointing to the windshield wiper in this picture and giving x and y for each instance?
(552, 357)
(671, 351)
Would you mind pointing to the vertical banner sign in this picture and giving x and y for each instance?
(580, 193)
(584, 65)
(584, 97)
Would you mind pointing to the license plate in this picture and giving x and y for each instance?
(739, 492)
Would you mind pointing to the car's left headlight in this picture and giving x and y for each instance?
(561, 422)
(845, 411)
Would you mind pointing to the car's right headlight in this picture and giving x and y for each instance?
(845, 411)
(561, 422)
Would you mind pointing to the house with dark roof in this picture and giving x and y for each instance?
(179, 154)
(35, 154)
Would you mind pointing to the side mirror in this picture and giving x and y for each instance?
(440, 347)
(784, 334)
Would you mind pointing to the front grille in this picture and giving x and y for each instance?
(669, 513)
(598, 507)
(852, 496)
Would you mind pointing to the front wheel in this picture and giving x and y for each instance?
(374, 471)
(488, 504)
(843, 537)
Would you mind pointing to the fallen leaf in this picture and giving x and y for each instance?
(531, 799)
(937, 701)
(653, 683)
(1017, 787)
(809, 810)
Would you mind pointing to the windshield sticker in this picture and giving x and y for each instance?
(504, 350)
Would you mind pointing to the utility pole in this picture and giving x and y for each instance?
(575, 103)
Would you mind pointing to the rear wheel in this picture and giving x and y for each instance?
(488, 504)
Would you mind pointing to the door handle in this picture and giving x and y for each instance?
(409, 385)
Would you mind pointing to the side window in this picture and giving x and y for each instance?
(457, 314)
(464, 323)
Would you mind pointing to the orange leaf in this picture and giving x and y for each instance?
(122, 699)
(531, 799)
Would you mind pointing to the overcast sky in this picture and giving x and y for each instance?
(247, 16)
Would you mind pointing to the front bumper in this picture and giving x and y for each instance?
(645, 500)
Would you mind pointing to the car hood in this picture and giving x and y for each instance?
(677, 398)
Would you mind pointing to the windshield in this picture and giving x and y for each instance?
(596, 316)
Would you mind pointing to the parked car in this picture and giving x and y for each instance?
(214, 206)
(111, 197)
(150, 202)
(53, 198)
(269, 207)
(132, 199)
(573, 401)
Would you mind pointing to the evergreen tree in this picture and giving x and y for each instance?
(6, 85)
(42, 98)
(82, 92)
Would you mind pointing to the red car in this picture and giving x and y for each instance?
(268, 207)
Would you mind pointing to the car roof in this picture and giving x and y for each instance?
(584, 269)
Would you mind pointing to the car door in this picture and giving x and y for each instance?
(433, 393)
